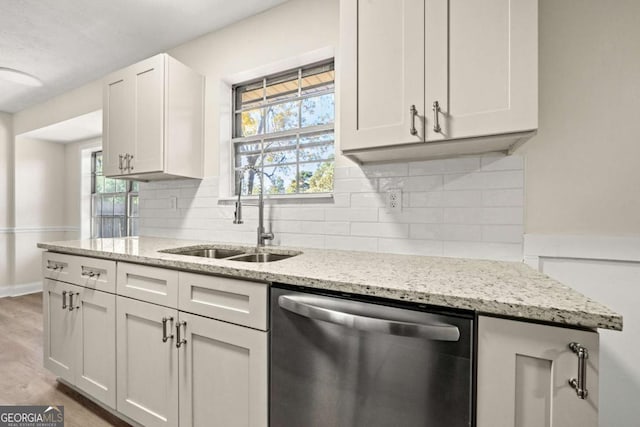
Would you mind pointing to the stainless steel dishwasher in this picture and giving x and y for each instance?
(343, 361)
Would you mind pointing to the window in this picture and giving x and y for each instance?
(114, 203)
(284, 126)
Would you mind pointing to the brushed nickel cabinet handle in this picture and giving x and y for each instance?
(414, 113)
(179, 340)
(165, 337)
(436, 118)
(64, 300)
(120, 162)
(580, 384)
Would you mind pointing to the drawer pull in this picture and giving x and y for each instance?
(64, 300)
(580, 384)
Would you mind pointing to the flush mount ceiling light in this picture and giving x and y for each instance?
(20, 77)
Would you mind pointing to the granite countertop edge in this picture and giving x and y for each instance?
(514, 296)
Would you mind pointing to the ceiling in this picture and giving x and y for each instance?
(67, 43)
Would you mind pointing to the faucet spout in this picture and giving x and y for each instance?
(262, 235)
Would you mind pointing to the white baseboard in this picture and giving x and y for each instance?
(22, 289)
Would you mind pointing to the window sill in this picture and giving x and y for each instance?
(281, 199)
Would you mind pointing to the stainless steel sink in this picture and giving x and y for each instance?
(241, 254)
(261, 257)
(206, 252)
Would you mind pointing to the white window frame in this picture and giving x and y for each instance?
(297, 132)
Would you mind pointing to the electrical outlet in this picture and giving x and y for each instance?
(174, 203)
(394, 200)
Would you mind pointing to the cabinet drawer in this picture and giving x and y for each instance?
(236, 301)
(151, 284)
(94, 273)
(58, 266)
(89, 272)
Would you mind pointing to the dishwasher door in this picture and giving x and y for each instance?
(348, 363)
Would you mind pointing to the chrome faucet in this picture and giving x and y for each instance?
(237, 219)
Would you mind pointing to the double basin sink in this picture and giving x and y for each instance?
(245, 254)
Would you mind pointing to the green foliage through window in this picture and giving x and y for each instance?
(284, 127)
(114, 203)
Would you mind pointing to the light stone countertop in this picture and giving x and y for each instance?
(489, 287)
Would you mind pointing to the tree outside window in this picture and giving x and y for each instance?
(284, 127)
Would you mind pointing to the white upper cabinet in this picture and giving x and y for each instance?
(432, 78)
(153, 121)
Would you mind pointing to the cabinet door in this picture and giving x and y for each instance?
(148, 107)
(95, 365)
(58, 330)
(523, 374)
(147, 367)
(223, 374)
(382, 44)
(481, 67)
(118, 121)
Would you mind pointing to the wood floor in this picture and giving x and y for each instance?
(23, 379)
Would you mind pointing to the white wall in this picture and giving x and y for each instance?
(6, 201)
(582, 168)
(40, 200)
(263, 43)
(582, 181)
(608, 270)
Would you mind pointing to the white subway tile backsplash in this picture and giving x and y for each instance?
(306, 240)
(504, 198)
(498, 251)
(351, 214)
(425, 231)
(368, 200)
(412, 183)
(411, 247)
(412, 216)
(427, 167)
(461, 233)
(385, 170)
(502, 233)
(352, 243)
(467, 207)
(379, 229)
(484, 180)
(461, 164)
(462, 215)
(503, 179)
(354, 185)
(511, 216)
(494, 162)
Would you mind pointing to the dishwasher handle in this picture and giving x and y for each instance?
(311, 307)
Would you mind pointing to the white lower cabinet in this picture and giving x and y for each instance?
(79, 338)
(223, 374)
(524, 371)
(217, 376)
(147, 365)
